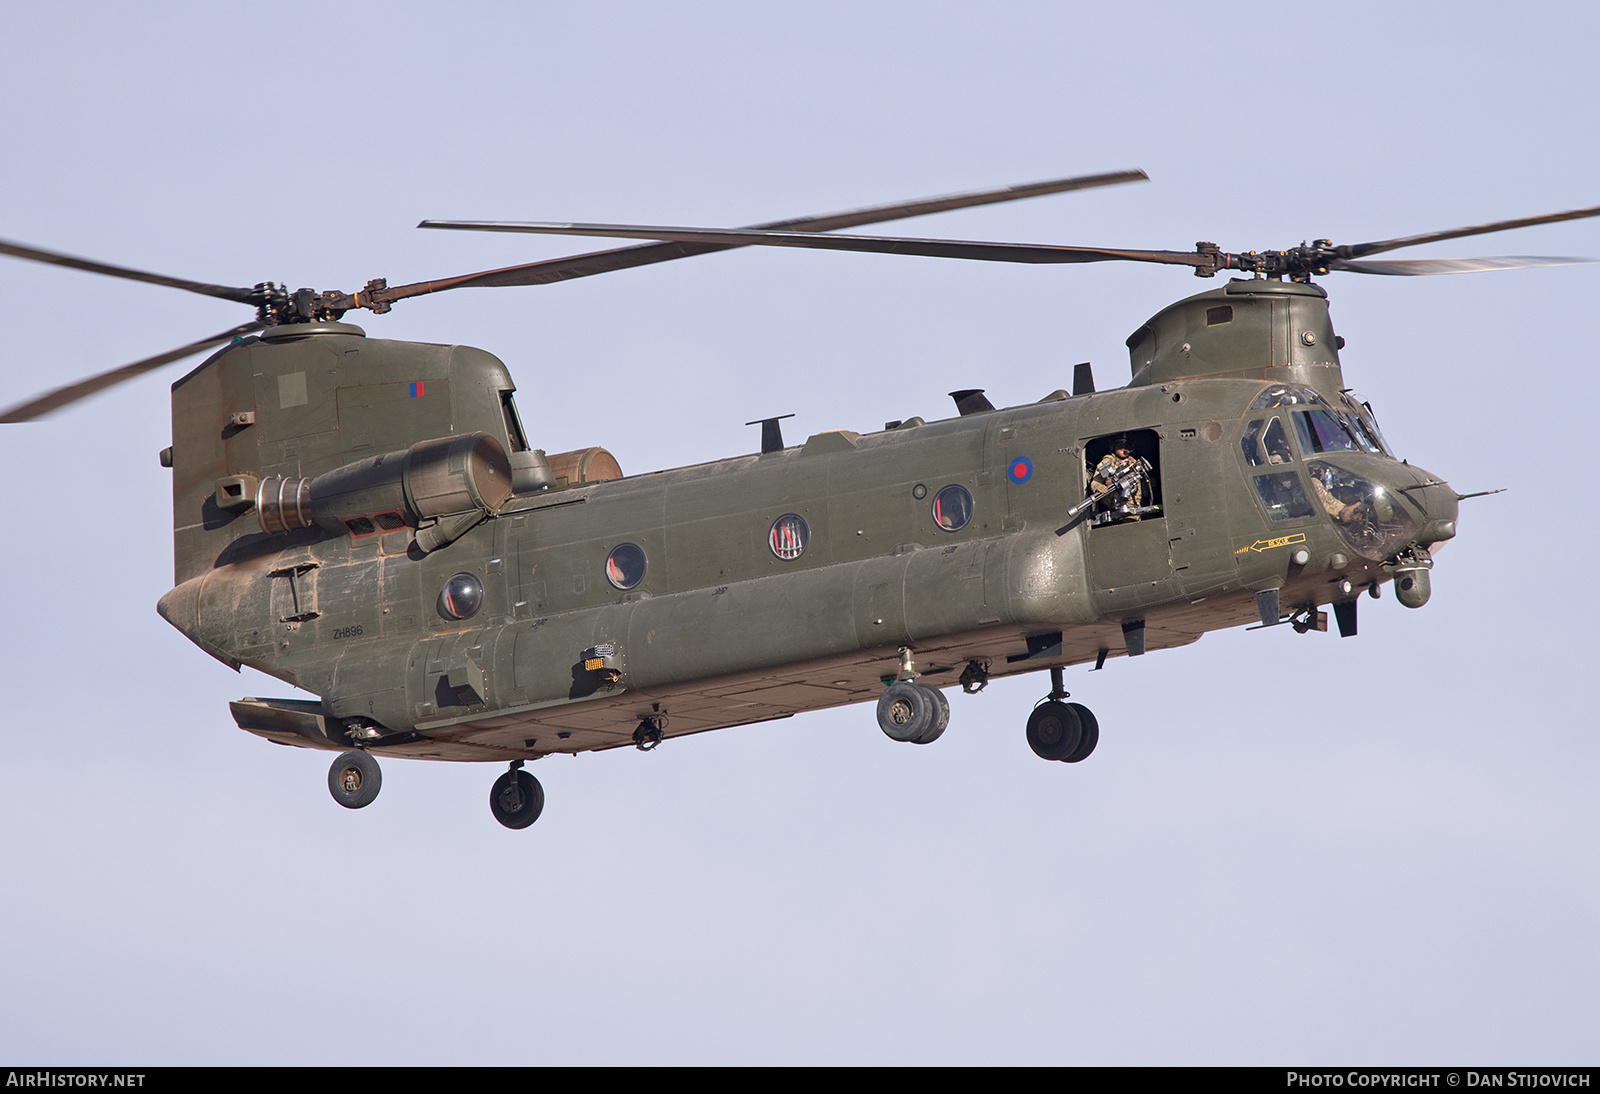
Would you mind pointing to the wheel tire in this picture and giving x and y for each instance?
(906, 711)
(941, 715)
(354, 779)
(1053, 730)
(516, 799)
(1091, 733)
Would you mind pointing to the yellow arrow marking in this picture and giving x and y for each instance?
(1268, 544)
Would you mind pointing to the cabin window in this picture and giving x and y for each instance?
(625, 565)
(789, 536)
(952, 508)
(1283, 496)
(461, 597)
(1264, 443)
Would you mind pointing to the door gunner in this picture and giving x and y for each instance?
(1129, 495)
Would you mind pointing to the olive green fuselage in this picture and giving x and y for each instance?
(721, 630)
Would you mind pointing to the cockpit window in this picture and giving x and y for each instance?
(1264, 443)
(1358, 427)
(1283, 496)
(1322, 431)
(1358, 415)
(1287, 395)
(1374, 522)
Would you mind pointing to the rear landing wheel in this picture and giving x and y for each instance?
(1091, 733)
(1054, 731)
(354, 779)
(516, 799)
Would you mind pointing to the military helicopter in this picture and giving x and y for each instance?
(367, 520)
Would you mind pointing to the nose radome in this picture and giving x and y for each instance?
(1440, 507)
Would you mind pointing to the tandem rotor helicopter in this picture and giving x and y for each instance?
(368, 520)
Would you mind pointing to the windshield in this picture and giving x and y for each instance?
(1358, 415)
(1323, 431)
(1365, 435)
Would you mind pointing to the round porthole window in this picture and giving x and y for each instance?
(789, 536)
(952, 508)
(461, 597)
(625, 565)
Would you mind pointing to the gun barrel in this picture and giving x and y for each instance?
(1086, 503)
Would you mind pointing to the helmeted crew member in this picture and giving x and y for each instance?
(1115, 464)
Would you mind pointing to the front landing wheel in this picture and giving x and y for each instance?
(354, 779)
(941, 715)
(517, 799)
(907, 711)
(1054, 731)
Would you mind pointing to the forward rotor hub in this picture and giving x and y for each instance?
(1296, 263)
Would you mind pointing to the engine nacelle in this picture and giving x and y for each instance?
(436, 478)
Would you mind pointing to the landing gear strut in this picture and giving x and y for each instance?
(1062, 731)
(517, 799)
(354, 779)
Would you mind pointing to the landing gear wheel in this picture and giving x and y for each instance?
(517, 799)
(941, 715)
(354, 779)
(908, 712)
(1054, 731)
(1091, 733)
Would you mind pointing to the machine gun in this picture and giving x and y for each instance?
(1124, 487)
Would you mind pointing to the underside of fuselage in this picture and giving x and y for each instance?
(611, 719)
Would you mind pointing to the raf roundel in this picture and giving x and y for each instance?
(1020, 470)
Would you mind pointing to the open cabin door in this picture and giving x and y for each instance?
(1126, 531)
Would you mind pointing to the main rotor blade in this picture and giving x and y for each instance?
(585, 265)
(931, 248)
(1361, 250)
(34, 254)
(875, 214)
(1417, 267)
(83, 388)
